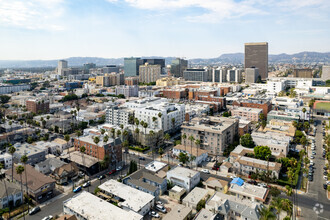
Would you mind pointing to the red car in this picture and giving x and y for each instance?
(215, 168)
(111, 172)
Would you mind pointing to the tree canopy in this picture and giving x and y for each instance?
(247, 141)
(262, 152)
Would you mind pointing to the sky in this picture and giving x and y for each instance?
(56, 29)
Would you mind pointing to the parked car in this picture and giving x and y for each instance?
(142, 158)
(215, 168)
(325, 177)
(101, 177)
(325, 186)
(310, 178)
(160, 203)
(87, 184)
(154, 214)
(253, 182)
(34, 210)
(49, 217)
(312, 157)
(205, 171)
(325, 172)
(314, 153)
(119, 168)
(112, 172)
(161, 208)
(77, 189)
(262, 185)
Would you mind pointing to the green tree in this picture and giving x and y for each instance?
(266, 214)
(262, 116)
(24, 160)
(183, 158)
(132, 167)
(197, 143)
(277, 204)
(19, 171)
(200, 205)
(247, 141)
(12, 150)
(192, 139)
(262, 152)
(184, 137)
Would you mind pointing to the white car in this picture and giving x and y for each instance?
(205, 171)
(328, 182)
(325, 177)
(49, 217)
(160, 203)
(154, 214)
(312, 157)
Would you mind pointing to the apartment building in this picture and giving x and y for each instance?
(128, 91)
(158, 113)
(112, 148)
(149, 73)
(278, 143)
(110, 79)
(175, 93)
(215, 133)
(251, 114)
(169, 81)
(201, 75)
(131, 81)
(37, 106)
(284, 116)
(183, 177)
(6, 160)
(263, 104)
(11, 194)
(118, 115)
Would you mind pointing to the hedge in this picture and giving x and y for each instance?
(139, 149)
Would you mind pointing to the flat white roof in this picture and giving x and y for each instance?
(134, 199)
(183, 172)
(196, 195)
(92, 207)
(249, 190)
(155, 166)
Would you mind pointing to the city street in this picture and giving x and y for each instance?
(316, 196)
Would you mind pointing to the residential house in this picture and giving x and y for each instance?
(184, 177)
(14, 193)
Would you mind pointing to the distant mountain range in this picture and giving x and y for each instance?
(233, 58)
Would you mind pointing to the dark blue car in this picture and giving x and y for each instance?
(77, 189)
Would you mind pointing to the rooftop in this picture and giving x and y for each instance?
(35, 180)
(133, 199)
(155, 166)
(182, 172)
(178, 212)
(77, 158)
(188, 149)
(196, 195)
(92, 207)
(257, 192)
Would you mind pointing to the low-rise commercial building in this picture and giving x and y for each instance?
(128, 197)
(265, 105)
(251, 114)
(87, 206)
(169, 81)
(284, 116)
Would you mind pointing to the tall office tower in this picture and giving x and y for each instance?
(62, 64)
(202, 75)
(149, 73)
(110, 69)
(160, 62)
(256, 55)
(251, 75)
(178, 66)
(131, 66)
(303, 73)
(88, 66)
(325, 73)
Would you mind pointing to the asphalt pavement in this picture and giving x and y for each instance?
(314, 204)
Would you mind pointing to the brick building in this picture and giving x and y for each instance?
(175, 93)
(37, 106)
(112, 148)
(265, 105)
(131, 81)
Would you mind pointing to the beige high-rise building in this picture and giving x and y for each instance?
(149, 73)
(62, 65)
(256, 56)
(325, 72)
(111, 79)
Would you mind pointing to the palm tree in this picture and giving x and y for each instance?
(151, 134)
(102, 131)
(266, 214)
(277, 204)
(19, 171)
(24, 160)
(160, 114)
(12, 150)
(4, 182)
(96, 141)
(113, 131)
(122, 127)
(184, 137)
(191, 138)
(154, 119)
(82, 150)
(198, 143)
(145, 125)
(118, 133)
(137, 131)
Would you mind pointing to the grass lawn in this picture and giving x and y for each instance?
(323, 106)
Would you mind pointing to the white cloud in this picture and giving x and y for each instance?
(219, 10)
(31, 14)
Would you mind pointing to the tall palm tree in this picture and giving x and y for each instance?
(24, 160)
(121, 129)
(277, 204)
(198, 143)
(102, 131)
(266, 214)
(118, 133)
(191, 138)
(184, 137)
(96, 141)
(4, 182)
(154, 119)
(82, 150)
(12, 150)
(160, 114)
(137, 131)
(19, 171)
(113, 131)
(151, 134)
(145, 125)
